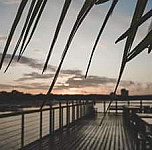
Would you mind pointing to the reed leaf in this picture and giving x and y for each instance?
(100, 32)
(63, 14)
(13, 28)
(22, 33)
(33, 16)
(35, 25)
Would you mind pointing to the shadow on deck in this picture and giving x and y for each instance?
(86, 134)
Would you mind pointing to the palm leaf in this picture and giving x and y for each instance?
(140, 7)
(63, 14)
(137, 24)
(100, 32)
(84, 11)
(81, 16)
(15, 23)
(101, 1)
(35, 25)
(141, 46)
(22, 33)
(150, 47)
(35, 11)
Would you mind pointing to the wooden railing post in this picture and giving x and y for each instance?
(22, 131)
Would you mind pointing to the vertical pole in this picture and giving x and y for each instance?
(22, 132)
(50, 119)
(104, 107)
(140, 105)
(116, 107)
(77, 110)
(80, 109)
(40, 128)
(53, 120)
(128, 102)
(60, 116)
(83, 108)
(67, 114)
(73, 111)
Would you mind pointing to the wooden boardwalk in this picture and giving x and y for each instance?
(88, 135)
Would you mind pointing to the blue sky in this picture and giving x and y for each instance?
(26, 75)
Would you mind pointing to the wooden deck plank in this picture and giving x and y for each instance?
(86, 134)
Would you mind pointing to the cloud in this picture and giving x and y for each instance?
(32, 86)
(33, 63)
(73, 79)
(78, 81)
(2, 38)
(10, 2)
(34, 76)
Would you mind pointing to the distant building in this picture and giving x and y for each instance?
(124, 93)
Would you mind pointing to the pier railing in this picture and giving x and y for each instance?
(21, 128)
(18, 129)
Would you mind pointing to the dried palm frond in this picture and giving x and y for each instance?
(22, 32)
(63, 14)
(13, 28)
(32, 18)
(100, 32)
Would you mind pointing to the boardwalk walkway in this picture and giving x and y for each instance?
(88, 135)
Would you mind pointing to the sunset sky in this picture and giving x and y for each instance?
(26, 75)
